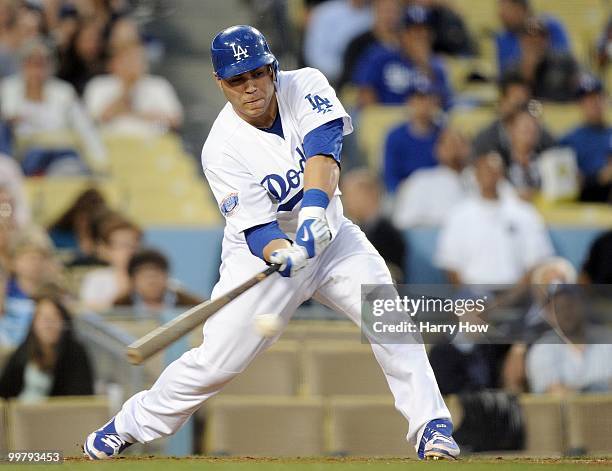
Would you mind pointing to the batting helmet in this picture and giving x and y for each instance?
(238, 49)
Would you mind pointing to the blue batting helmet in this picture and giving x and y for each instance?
(238, 49)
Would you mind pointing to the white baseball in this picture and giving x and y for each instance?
(268, 325)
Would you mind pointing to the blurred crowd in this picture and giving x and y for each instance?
(480, 191)
(394, 52)
(91, 259)
(73, 72)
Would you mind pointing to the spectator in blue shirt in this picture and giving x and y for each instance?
(32, 268)
(388, 76)
(552, 75)
(513, 15)
(384, 33)
(411, 145)
(592, 142)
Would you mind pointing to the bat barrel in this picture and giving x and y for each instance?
(134, 356)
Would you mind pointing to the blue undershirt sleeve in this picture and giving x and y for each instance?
(257, 237)
(325, 140)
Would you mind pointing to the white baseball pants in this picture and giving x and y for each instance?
(231, 342)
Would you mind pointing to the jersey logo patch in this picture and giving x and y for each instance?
(322, 105)
(239, 52)
(229, 205)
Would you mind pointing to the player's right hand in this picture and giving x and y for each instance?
(291, 260)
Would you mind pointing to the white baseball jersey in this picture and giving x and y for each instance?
(258, 177)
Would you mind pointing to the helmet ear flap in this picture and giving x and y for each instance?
(274, 69)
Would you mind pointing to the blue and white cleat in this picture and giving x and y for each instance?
(104, 443)
(437, 442)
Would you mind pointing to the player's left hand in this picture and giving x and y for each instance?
(313, 231)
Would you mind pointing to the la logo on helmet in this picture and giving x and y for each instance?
(239, 52)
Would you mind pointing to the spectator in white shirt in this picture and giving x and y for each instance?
(119, 240)
(524, 133)
(331, 27)
(131, 101)
(575, 355)
(44, 109)
(427, 197)
(491, 238)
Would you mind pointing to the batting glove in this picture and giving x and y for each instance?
(291, 260)
(313, 231)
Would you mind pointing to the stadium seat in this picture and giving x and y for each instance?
(561, 118)
(56, 424)
(264, 426)
(470, 121)
(373, 125)
(480, 17)
(5, 354)
(137, 328)
(349, 96)
(160, 184)
(169, 200)
(47, 140)
(3, 430)
(459, 70)
(274, 372)
(589, 423)
(543, 419)
(132, 157)
(575, 216)
(168, 144)
(322, 330)
(342, 368)
(50, 197)
(127, 168)
(156, 209)
(367, 426)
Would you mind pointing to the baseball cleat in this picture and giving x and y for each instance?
(104, 443)
(437, 442)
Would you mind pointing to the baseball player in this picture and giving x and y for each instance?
(272, 159)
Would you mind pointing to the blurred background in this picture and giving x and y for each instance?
(482, 155)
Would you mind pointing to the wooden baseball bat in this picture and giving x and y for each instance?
(164, 335)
